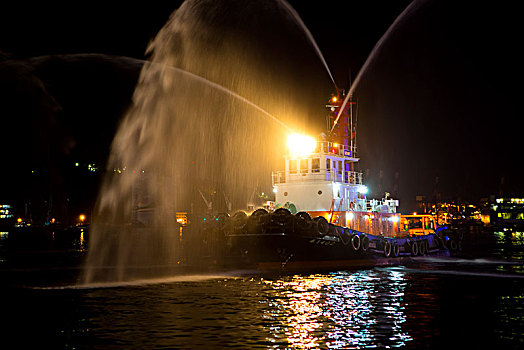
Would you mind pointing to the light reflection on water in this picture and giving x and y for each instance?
(338, 311)
(509, 245)
(420, 306)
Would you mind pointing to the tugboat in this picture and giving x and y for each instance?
(321, 217)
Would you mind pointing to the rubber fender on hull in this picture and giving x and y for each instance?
(302, 223)
(303, 215)
(322, 225)
(396, 250)
(364, 243)
(414, 248)
(239, 220)
(281, 211)
(387, 249)
(222, 220)
(355, 242)
(421, 248)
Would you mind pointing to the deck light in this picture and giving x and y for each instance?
(363, 189)
(395, 218)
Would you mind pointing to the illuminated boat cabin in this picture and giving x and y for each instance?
(319, 178)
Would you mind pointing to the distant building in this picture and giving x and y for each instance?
(507, 212)
(6, 215)
(454, 212)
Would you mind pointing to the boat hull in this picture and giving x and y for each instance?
(280, 242)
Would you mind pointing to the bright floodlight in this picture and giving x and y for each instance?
(301, 145)
(363, 189)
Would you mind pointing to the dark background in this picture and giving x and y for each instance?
(438, 107)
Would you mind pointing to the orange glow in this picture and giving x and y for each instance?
(181, 218)
(19, 220)
(82, 217)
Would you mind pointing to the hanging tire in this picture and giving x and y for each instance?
(282, 211)
(396, 250)
(426, 246)
(421, 250)
(387, 249)
(322, 225)
(303, 215)
(257, 224)
(260, 211)
(239, 221)
(355, 241)
(301, 225)
(365, 243)
(282, 220)
(222, 221)
(414, 248)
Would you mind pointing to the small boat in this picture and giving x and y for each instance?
(321, 217)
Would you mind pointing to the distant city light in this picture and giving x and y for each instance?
(81, 217)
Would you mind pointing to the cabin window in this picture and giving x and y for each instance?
(328, 164)
(293, 166)
(303, 166)
(315, 165)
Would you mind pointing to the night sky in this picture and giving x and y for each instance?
(438, 106)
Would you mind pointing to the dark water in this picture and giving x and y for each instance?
(474, 302)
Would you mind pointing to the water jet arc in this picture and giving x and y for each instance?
(304, 28)
(408, 10)
(73, 57)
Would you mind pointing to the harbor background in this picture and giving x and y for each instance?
(449, 74)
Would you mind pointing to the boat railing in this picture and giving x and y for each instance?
(317, 175)
(336, 148)
(365, 205)
(382, 206)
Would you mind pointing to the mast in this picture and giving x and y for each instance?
(341, 123)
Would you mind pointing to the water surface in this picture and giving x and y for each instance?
(470, 302)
